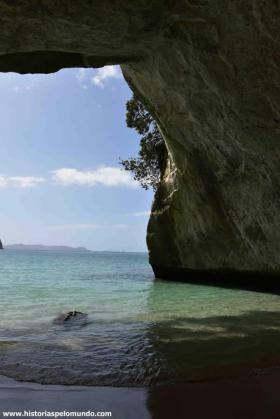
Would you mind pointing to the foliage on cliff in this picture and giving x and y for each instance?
(149, 164)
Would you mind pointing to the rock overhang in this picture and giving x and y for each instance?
(209, 72)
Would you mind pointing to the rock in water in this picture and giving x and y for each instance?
(71, 317)
(1, 245)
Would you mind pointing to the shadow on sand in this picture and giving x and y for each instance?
(232, 364)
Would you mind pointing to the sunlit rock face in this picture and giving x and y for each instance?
(209, 72)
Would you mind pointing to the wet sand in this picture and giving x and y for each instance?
(124, 403)
(255, 396)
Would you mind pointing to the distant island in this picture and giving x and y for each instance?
(44, 247)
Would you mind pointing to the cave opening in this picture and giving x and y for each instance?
(63, 135)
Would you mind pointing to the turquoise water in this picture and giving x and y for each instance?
(139, 331)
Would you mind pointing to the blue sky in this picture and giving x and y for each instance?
(60, 182)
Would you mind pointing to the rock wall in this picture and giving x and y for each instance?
(209, 72)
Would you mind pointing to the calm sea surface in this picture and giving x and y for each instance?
(140, 331)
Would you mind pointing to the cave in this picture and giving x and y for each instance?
(209, 73)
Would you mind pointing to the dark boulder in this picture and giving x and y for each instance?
(71, 317)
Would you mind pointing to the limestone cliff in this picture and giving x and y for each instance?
(209, 72)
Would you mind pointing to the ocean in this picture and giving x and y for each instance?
(139, 331)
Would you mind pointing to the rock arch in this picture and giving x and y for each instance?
(209, 72)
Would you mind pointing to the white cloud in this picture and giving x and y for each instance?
(20, 181)
(86, 77)
(22, 88)
(82, 77)
(88, 227)
(107, 176)
(105, 73)
(141, 214)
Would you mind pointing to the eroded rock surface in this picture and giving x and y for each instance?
(209, 72)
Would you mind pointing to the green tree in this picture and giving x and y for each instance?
(148, 166)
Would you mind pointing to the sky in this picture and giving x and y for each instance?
(61, 183)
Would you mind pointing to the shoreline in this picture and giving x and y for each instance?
(210, 374)
(235, 392)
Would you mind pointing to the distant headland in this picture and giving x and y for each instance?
(43, 247)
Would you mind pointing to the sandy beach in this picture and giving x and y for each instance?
(254, 395)
(124, 403)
